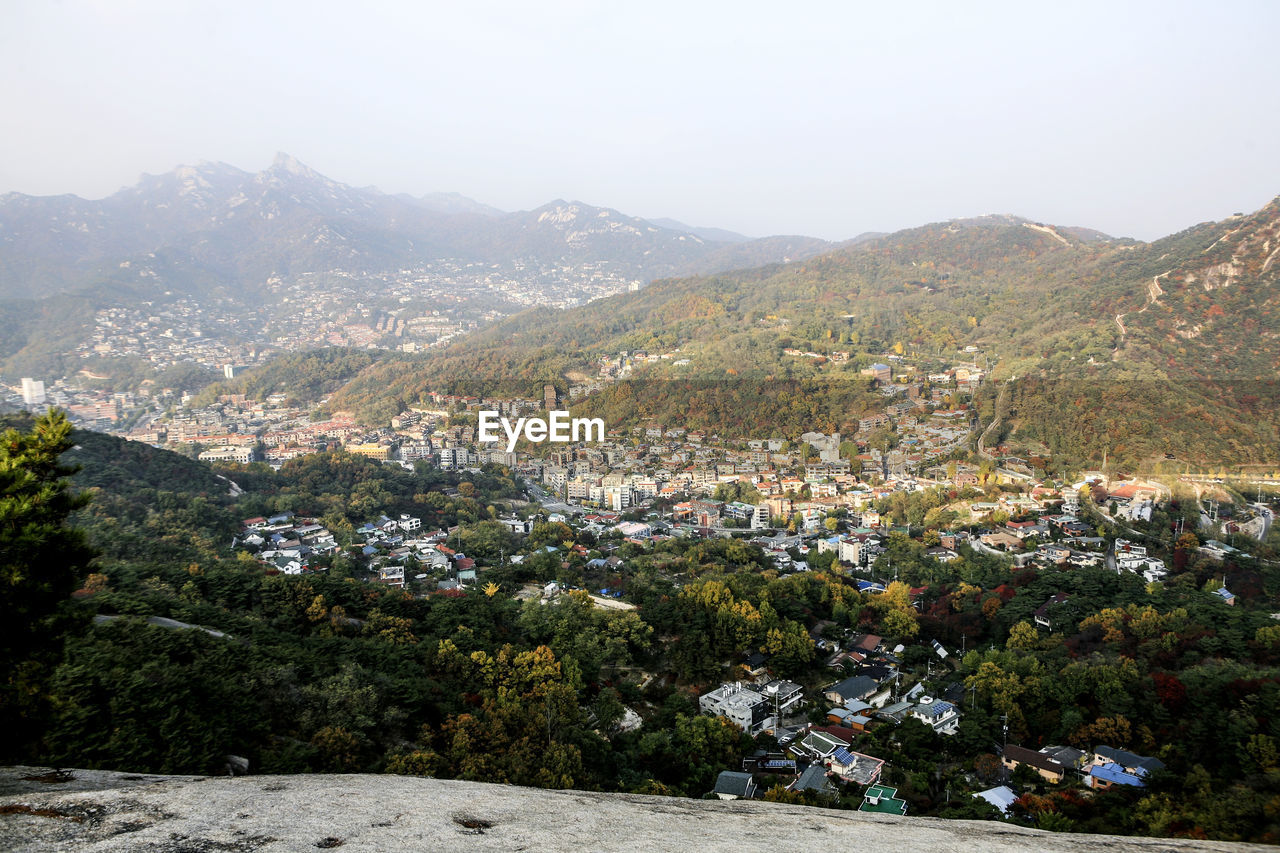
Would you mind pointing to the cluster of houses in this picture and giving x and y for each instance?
(820, 758)
(1101, 769)
(816, 757)
(285, 542)
(393, 549)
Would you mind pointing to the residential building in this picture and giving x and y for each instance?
(732, 785)
(1049, 770)
(752, 708)
(1002, 797)
(937, 714)
(882, 799)
(814, 779)
(854, 687)
(1111, 766)
(855, 767)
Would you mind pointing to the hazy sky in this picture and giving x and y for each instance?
(827, 119)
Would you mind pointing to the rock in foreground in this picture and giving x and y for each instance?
(98, 810)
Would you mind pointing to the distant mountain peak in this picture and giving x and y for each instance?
(288, 163)
(452, 202)
(716, 235)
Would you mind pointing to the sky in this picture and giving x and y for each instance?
(826, 119)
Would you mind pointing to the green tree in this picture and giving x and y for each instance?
(41, 562)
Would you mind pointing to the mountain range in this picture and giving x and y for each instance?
(1122, 348)
(213, 228)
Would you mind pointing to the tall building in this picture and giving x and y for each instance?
(549, 396)
(32, 391)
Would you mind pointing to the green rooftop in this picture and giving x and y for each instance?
(882, 799)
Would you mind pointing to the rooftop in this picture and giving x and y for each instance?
(883, 800)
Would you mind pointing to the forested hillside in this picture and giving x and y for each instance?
(1037, 302)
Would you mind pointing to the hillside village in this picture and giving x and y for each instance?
(870, 620)
(886, 524)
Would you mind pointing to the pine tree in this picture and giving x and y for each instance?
(41, 562)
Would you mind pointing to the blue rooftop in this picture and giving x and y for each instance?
(1112, 773)
(937, 709)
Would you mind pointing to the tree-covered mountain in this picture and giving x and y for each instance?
(1172, 344)
(213, 228)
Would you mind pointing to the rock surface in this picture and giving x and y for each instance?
(100, 811)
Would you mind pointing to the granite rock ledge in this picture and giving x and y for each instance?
(107, 811)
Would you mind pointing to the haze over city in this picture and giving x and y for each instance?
(829, 119)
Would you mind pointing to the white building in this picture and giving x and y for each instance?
(452, 458)
(749, 707)
(32, 391)
(938, 715)
(230, 453)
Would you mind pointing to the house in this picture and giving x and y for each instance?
(882, 799)
(1033, 531)
(979, 511)
(732, 785)
(814, 778)
(1042, 616)
(1218, 550)
(755, 664)
(1055, 554)
(1001, 540)
(879, 372)
(1111, 766)
(1049, 770)
(1103, 777)
(867, 643)
(763, 761)
(858, 721)
(854, 687)
(855, 767)
(820, 742)
(937, 714)
(1002, 797)
(1227, 596)
(1068, 756)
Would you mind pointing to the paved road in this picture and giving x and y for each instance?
(994, 423)
(1267, 517)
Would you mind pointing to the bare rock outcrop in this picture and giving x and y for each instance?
(101, 811)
